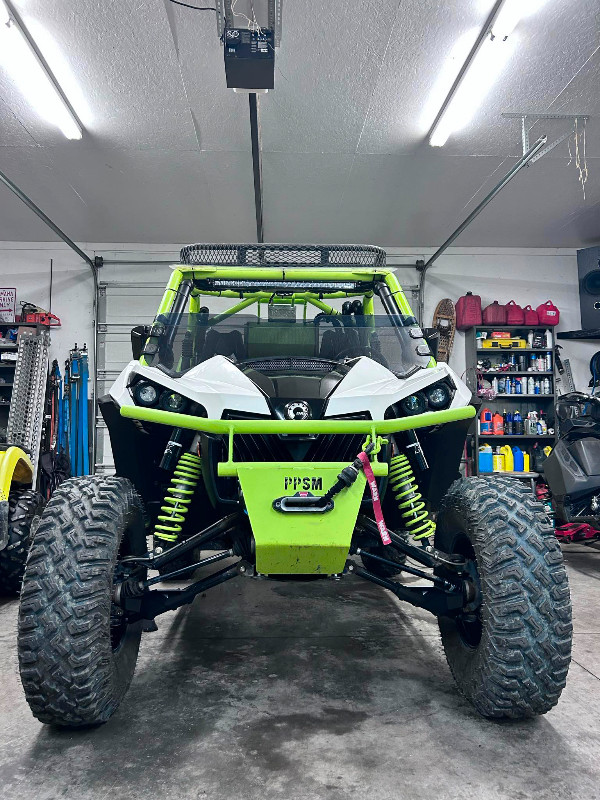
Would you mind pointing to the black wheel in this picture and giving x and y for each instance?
(77, 653)
(24, 509)
(510, 658)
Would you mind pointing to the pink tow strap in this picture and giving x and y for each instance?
(368, 470)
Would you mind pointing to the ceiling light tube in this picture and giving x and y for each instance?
(481, 68)
(22, 59)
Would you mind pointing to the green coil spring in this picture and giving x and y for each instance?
(409, 499)
(178, 497)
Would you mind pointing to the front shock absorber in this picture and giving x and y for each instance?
(178, 497)
(409, 499)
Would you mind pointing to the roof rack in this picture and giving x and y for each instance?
(276, 255)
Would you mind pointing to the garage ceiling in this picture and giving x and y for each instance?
(166, 152)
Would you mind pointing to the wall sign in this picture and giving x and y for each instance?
(8, 305)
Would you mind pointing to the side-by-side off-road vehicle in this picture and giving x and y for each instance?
(284, 415)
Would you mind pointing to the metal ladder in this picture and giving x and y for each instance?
(26, 414)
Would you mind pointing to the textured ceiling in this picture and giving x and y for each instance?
(166, 152)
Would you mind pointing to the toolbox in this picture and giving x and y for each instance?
(512, 343)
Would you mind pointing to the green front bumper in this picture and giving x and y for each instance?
(297, 542)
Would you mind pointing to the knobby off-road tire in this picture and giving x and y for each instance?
(76, 655)
(512, 660)
(24, 509)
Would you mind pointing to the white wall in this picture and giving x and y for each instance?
(527, 276)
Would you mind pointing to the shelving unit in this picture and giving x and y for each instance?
(7, 371)
(523, 403)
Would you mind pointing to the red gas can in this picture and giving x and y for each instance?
(468, 311)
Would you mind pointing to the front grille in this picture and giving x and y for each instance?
(263, 255)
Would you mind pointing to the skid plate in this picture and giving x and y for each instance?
(298, 542)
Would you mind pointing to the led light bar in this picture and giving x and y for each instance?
(472, 81)
(20, 56)
(287, 286)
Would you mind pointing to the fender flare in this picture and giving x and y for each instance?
(15, 467)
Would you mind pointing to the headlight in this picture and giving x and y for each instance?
(171, 401)
(438, 396)
(414, 404)
(145, 394)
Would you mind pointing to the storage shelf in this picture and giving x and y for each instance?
(492, 436)
(512, 327)
(531, 372)
(512, 474)
(515, 350)
(502, 402)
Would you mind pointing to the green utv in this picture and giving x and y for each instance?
(284, 415)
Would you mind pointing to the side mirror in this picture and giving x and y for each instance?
(432, 337)
(139, 334)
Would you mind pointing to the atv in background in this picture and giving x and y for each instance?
(572, 470)
(284, 415)
(20, 509)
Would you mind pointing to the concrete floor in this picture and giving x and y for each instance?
(322, 689)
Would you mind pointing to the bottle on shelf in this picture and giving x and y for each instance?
(508, 423)
(530, 386)
(518, 424)
(548, 336)
(530, 339)
(497, 424)
(485, 421)
(518, 459)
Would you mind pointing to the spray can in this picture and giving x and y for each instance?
(495, 385)
(541, 363)
(532, 363)
(548, 362)
(536, 389)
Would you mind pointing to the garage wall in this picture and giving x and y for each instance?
(527, 276)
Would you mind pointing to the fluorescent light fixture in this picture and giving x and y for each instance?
(481, 68)
(22, 60)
